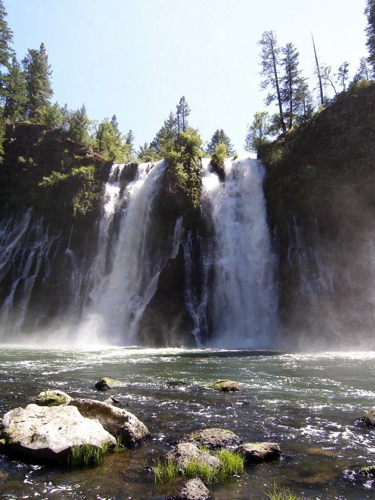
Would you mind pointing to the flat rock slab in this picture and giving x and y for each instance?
(53, 398)
(259, 452)
(185, 452)
(369, 418)
(106, 383)
(49, 432)
(194, 489)
(118, 422)
(214, 438)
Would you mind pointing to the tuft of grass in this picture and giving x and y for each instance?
(233, 465)
(282, 495)
(87, 455)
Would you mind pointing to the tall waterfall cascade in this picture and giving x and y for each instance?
(244, 297)
(230, 295)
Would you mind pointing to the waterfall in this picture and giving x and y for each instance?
(244, 299)
(119, 297)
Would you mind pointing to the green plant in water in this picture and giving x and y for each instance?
(166, 471)
(87, 455)
(233, 464)
(282, 494)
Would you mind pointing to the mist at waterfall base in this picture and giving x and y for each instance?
(107, 290)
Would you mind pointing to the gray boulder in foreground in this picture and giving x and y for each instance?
(214, 438)
(49, 433)
(258, 452)
(118, 422)
(185, 452)
(194, 489)
(53, 398)
(369, 418)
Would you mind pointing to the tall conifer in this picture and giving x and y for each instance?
(6, 52)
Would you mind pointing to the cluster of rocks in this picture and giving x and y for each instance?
(49, 429)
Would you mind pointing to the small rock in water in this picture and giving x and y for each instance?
(369, 470)
(369, 418)
(193, 490)
(225, 385)
(214, 438)
(53, 398)
(258, 452)
(185, 452)
(106, 383)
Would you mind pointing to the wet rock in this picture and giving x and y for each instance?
(193, 490)
(3, 477)
(49, 432)
(369, 418)
(106, 383)
(225, 385)
(214, 438)
(258, 452)
(369, 470)
(53, 398)
(185, 452)
(118, 422)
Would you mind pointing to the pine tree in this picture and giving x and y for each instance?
(258, 131)
(183, 111)
(79, 126)
(363, 72)
(370, 32)
(165, 137)
(6, 53)
(38, 77)
(270, 72)
(220, 137)
(130, 141)
(343, 75)
(110, 142)
(147, 153)
(291, 84)
(15, 93)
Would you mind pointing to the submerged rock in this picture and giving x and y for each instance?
(258, 452)
(369, 418)
(53, 398)
(214, 438)
(185, 452)
(369, 470)
(194, 489)
(49, 433)
(225, 385)
(118, 422)
(106, 383)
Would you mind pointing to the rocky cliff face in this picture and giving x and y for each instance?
(321, 207)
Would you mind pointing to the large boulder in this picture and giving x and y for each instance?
(369, 418)
(53, 398)
(186, 452)
(118, 422)
(194, 489)
(49, 433)
(225, 385)
(259, 452)
(214, 438)
(106, 383)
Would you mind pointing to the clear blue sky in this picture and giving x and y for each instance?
(136, 58)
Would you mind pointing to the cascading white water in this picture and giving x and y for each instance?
(119, 298)
(244, 300)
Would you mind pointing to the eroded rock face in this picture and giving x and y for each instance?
(369, 418)
(49, 433)
(120, 423)
(258, 452)
(214, 438)
(193, 490)
(53, 398)
(185, 452)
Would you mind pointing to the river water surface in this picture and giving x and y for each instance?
(308, 403)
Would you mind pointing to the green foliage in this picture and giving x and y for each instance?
(282, 494)
(15, 93)
(2, 138)
(87, 455)
(111, 144)
(183, 111)
(218, 157)
(232, 465)
(147, 153)
(38, 79)
(163, 141)
(6, 52)
(370, 33)
(79, 126)
(258, 131)
(53, 116)
(220, 137)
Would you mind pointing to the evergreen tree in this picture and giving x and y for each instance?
(220, 137)
(258, 131)
(130, 141)
(291, 84)
(38, 77)
(363, 72)
(15, 93)
(53, 116)
(147, 153)
(370, 32)
(79, 126)
(164, 138)
(110, 142)
(183, 111)
(114, 124)
(343, 75)
(6, 53)
(270, 72)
